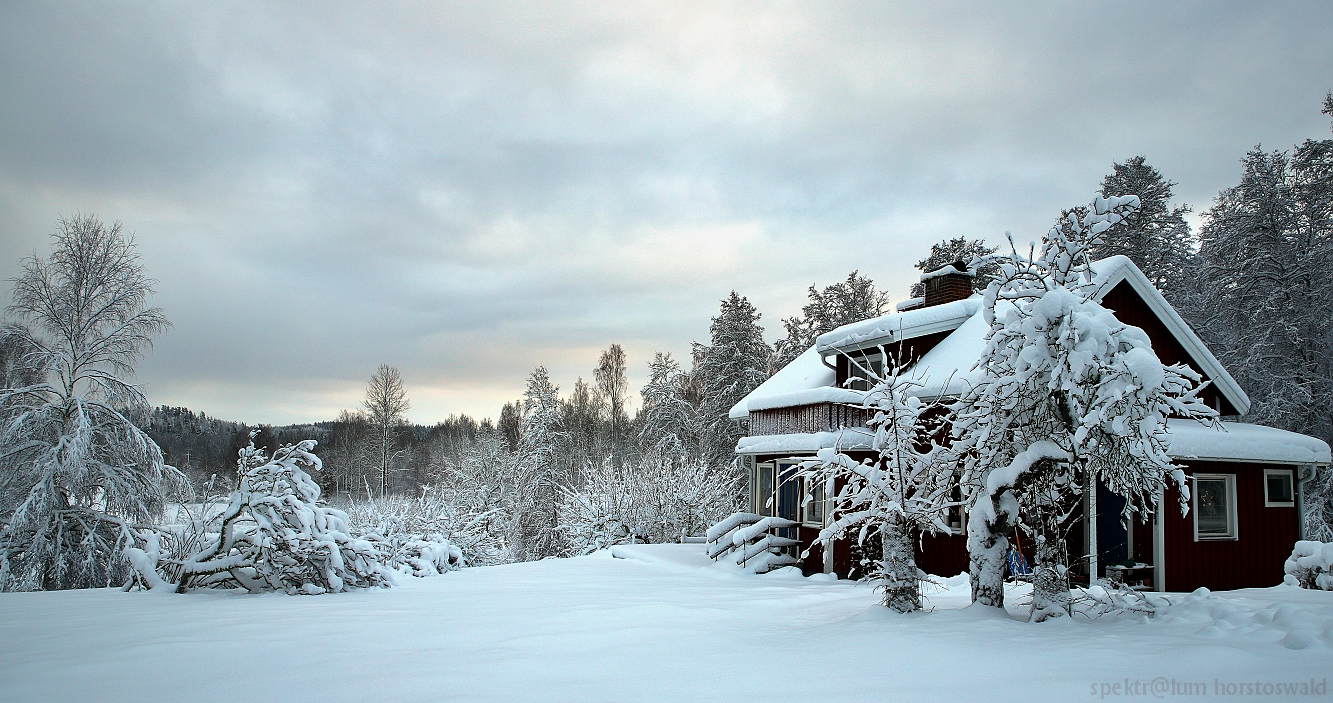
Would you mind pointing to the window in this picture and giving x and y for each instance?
(956, 512)
(1278, 488)
(812, 510)
(863, 368)
(763, 489)
(1214, 506)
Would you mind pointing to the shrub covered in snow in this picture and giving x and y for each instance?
(275, 534)
(657, 499)
(1310, 565)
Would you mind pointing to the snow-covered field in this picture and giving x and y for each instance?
(659, 623)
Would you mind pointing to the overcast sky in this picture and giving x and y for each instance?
(467, 191)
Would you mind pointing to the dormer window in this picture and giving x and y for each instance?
(864, 369)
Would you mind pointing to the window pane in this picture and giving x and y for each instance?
(814, 510)
(1213, 508)
(1279, 487)
(765, 493)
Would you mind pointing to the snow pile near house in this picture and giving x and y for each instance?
(1241, 621)
(1310, 565)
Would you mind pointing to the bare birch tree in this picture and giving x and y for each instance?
(385, 405)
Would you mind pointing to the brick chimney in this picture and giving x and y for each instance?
(947, 284)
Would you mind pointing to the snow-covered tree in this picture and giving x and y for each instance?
(75, 468)
(1263, 294)
(947, 252)
(900, 492)
(274, 535)
(1068, 395)
(657, 499)
(1156, 236)
(385, 405)
(840, 304)
(535, 526)
(668, 417)
(612, 392)
(483, 489)
(734, 363)
(20, 359)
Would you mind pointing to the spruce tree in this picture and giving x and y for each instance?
(733, 364)
(1156, 237)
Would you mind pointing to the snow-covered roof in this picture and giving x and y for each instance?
(806, 443)
(947, 369)
(1240, 441)
(805, 372)
(947, 270)
(898, 326)
(809, 396)
(1228, 441)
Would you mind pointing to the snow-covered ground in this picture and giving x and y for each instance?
(659, 623)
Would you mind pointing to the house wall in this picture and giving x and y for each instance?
(1265, 536)
(1130, 309)
(817, 417)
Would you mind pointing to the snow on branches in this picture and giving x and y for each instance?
(274, 535)
(898, 493)
(657, 499)
(1060, 370)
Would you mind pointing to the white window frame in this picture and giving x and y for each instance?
(760, 501)
(1233, 530)
(808, 489)
(863, 362)
(1291, 479)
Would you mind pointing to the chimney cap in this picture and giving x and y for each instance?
(957, 268)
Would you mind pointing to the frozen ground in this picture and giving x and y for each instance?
(661, 623)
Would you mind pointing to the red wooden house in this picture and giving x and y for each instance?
(1246, 479)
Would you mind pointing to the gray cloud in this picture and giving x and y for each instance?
(469, 190)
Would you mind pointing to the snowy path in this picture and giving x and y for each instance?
(662, 625)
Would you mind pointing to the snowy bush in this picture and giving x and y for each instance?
(657, 499)
(1310, 565)
(422, 536)
(275, 534)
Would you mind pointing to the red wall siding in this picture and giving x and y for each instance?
(942, 555)
(1130, 309)
(1254, 560)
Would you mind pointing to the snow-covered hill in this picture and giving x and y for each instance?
(660, 623)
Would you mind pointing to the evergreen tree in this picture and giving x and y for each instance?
(840, 304)
(536, 524)
(668, 417)
(1156, 237)
(947, 252)
(733, 364)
